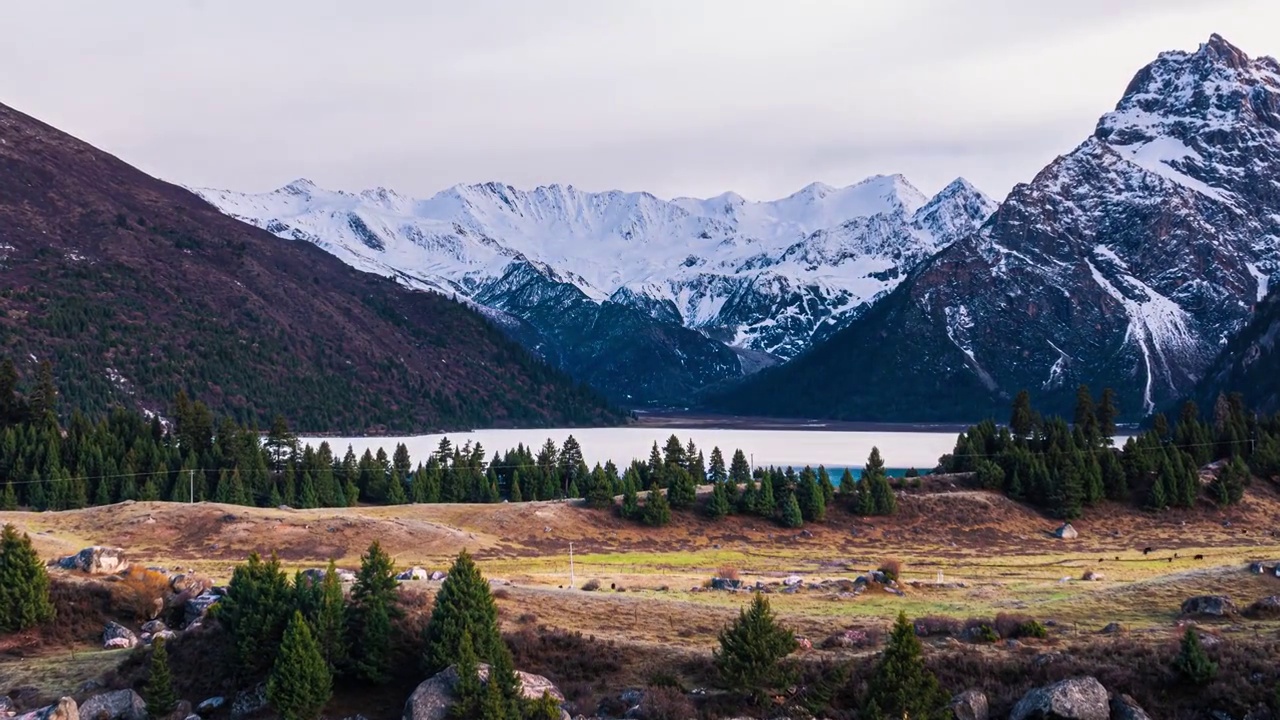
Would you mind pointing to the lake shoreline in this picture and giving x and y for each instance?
(676, 419)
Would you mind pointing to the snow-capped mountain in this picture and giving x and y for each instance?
(1127, 262)
(719, 286)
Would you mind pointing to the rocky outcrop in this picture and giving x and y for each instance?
(116, 705)
(433, 698)
(1267, 607)
(1209, 606)
(1081, 698)
(1124, 707)
(970, 705)
(64, 709)
(196, 607)
(96, 560)
(116, 636)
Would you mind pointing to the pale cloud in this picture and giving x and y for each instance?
(676, 97)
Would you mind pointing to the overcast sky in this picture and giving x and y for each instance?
(678, 97)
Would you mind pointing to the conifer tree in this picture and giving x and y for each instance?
(463, 605)
(1158, 497)
(751, 651)
(468, 692)
(300, 682)
(630, 501)
(24, 584)
(1022, 421)
(682, 491)
(330, 620)
(158, 693)
(9, 498)
(848, 486)
(255, 611)
(792, 516)
(310, 496)
(718, 506)
(901, 686)
(372, 607)
(765, 502)
(716, 472)
(739, 468)
(1106, 414)
(516, 495)
(824, 483)
(657, 511)
(1192, 664)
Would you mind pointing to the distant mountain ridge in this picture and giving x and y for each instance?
(1128, 262)
(135, 289)
(647, 299)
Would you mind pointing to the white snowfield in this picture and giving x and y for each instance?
(723, 263)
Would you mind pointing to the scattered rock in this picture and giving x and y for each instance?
(249, 702)
(1124, 707)
(6, 706)
(115, 635)
(725, 584)
(804, 643)
(181, 711)
(1082, 698)
(1257, 568)
(1267, 607)
(433, 698)
(1066, 532)
(154, 626)
(209, 706)
(1209, 606)
(65, 709)
(166, 635)
(1113, 628)
(970, 705)
(1092, 576)
(117, 705)
(792, 581)
(189, 583)
(96, 560)
(413, 573)
(437, 575)
(197, 606)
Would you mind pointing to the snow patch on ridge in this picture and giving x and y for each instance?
(1262, 278)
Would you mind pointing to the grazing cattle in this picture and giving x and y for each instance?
(1199, 557)
(1175, 554)
(1146, 551)
(1170, 559)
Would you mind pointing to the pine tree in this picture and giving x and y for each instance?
(901, 686)
(1158, 497)
(24, 584)
(682, 491)
(300, 682)
(751, 651)
(516, 495)
(765, 503)
(718, 507)
(848, 486)
(310, 496)
(717, 472)
(1192, 664)
(791, 516)
(372, 606)
(159, 694)
(1022, 420)
(9, 499)
(1107, 413)
(463, 605)
(657, 511)
(255, 612)
(330, 620)
(824, 483)
(468, 692)
(630, 501)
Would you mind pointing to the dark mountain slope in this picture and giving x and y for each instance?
(1126, 263)
(135, 288)
(1249, 364)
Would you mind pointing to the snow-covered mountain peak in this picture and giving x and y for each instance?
(300, 186)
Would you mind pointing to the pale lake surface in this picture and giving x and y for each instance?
(769, 447)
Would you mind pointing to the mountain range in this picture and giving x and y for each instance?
(134, 289)
(1130, 262)
(649, 300)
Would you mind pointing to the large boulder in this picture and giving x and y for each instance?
(7, 708)
(197, 606)
(1209, 606)
(152, 627)
(249, 702)
(433, 698)
(1124, 707)
(1066, 532)
(65, 709)
(413, 573)
(211, 705)
(1267, 607)
(1082, 698)
(116, 705)
(970, 705)
(96, 560)
(189, 583)
(115, 635)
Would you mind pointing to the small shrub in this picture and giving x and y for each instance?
(666, 703)
(937, 626)
(141, 593)
(664, 678)
(1192, 664)
(1007, 625)
(1031, 629)
(501, 594)
(527, 619)
(981, 631)
(727, 572)
(892, 569)
(591, 585)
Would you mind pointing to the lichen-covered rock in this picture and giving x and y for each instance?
(433, 698)
(1209, 606)
(249, 702)
(970, 705)
(115, 705)
(1124, 707)
(413, 573)
(115, 635)
(153, 626)
(1082, 698)
(96, 560)
(65, 709)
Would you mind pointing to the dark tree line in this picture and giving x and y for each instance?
(1065, 468)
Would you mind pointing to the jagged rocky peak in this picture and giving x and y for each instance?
(301, 186)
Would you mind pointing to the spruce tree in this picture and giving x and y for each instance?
(463, 605)
(372, 607)
(901, 686)
(1022, 420)
(630, 501)
(824, 483)
(657, 511)
(330, 621)
(765, 503)
(300, 683)
(1192, 664)
(516, 495)
(792, 516)
(718, 506)
(24, 584)
(255, 612)
(717, 472)
(682, 489)
(848, 486)
(158, 693)
(468, 692)
(9, 499)
(751, 651)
